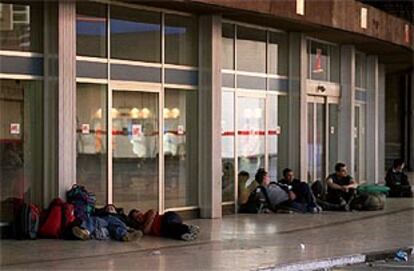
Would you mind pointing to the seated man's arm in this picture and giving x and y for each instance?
(333, 185)
(353, 184)
(149, 219)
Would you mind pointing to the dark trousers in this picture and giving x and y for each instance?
(400, 191)
(335, 196)
(172, 226)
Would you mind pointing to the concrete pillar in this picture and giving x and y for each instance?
(297, 149)
(372, 154)
(411, 123)
(346, 108)
(50, 90)
(210, 116)
(66, 96)
(381, 123)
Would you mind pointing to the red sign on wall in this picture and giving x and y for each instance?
(15, 128)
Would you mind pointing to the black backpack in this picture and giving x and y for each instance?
(258, 201)
(26, 222)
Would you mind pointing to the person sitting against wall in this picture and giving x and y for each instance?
(107, 223)
(397, 180)
(244, 189)
(169, 225)
(341, 187)
(300, 195)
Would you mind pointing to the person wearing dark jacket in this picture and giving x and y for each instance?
(397, 180)
(300, 194)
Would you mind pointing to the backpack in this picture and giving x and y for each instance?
(258, 200)
(373, 188)
(368, 202)
(277, 194)
(58, 217)
(82, 200)
(26, 223)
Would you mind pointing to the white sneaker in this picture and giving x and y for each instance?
(189, 236)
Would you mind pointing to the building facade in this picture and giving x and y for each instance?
(160, 105)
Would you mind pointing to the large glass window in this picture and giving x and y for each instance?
(21, 140)
(323, 62)
(91, 29)
(91, 139)
(360, 71)
(180, 148)
(227, 53)
(181, 40)
(135, 34)
(21, 26)
(227, 145)
(278, 53)
(251, 49)
(319, 57)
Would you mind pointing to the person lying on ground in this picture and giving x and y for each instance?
(397, 180)
(341, 187)
(105, 226)
(169, 225)
(300, 195)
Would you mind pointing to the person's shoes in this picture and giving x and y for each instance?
(316, 210)
(194, 229)
(80, 233)
(132, 236)
(342, 202)
(347, 208)
(189, 236)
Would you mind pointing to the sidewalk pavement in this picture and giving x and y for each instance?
(237, 242)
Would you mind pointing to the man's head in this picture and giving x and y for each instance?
(288, 174)
(261, 177)
(340, 170)
(398, 164)
(110, 208)
(243, 176)
(136, 215)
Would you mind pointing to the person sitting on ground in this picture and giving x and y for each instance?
(300, 194)
(341, 187)
(397, 180)
(274, 194)
(169, 225)
(244, 189)
(107, 225)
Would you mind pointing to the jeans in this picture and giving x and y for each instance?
(172, 226)
(102, 227)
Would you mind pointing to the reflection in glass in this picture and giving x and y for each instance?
(135, 34)
(282, 133)
(318, 54)
(21, 26)
(21, 140)
(135, 149)
(360, 142)
(311, 143)
(181, 40)
(333, 136)
(251, 134)
(278, 53)
(272, 137)
(227, 146)
(91, 29)
(320, 142)
(227, 53)
(251, 49)
(360, 71)
(91, 139)
(180, 148)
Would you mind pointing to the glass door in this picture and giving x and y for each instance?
(322, 137)
(251, 133)
(135, 149)
(360, 143)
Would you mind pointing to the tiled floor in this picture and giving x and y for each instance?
(239, 242)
